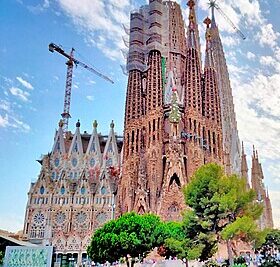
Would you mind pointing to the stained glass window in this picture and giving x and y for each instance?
(83, 190)
(74, 162)
(103, 190)
(42, 190)
(81, 217)
(92, 162)
(56, 162)
(62, 190)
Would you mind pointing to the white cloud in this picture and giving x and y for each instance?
(5, 105)
(4, 121)
(22, 95)
(266, 60)
(267, 36)
(250, 55)
(11, 222)
(230, 41)
(103, 27)
(25, 83)
(40, 7)
(92, 82)
(13, 122)
(90, 97)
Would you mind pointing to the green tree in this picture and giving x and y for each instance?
(269, 249)
(131, 234)
(1, 257)
(220, 205)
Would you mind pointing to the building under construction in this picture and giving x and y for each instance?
(179, 115)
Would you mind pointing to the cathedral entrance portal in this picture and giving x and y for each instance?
(174, 179)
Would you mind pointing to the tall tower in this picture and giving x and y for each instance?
(173, 115)
(262, 197)
(231, 143)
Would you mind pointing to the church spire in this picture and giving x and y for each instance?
(244, 166)
(192, 33)
(59, 145)
(209, 57)
(193, 97)
(210, 93)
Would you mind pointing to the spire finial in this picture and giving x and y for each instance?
(78, 124)
(242, 148)
(60, 124)
(191, 4)
(257, 156)
(95, 124)
(254, 152)
(207, 21)
(112, 125)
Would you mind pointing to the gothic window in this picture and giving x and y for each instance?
(92, 162)
(56, 162)
(83, 190)
(39, 218)
(58, 145)
(75, 147)
(92, 149)
(175, 179)
(110, 148)
(74, 162)
(81, 217)
(71, 175)
(62, 190)
(75, 175)
(53, 175)
(109, 162)
(101, 217)
(60, 218)
(42, 190)
(103, 190)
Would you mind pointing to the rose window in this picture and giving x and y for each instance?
(101, 217)
(81, 217)
(60, 217)
(39, 218)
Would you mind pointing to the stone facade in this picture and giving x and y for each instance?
(75, 191)
(178, 115)
(173, 120)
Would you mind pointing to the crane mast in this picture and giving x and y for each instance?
(68, 88)
(69, 76)
(213, 5)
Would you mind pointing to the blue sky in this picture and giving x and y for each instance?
(32, 82)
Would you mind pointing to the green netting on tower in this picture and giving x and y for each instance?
(163, 70)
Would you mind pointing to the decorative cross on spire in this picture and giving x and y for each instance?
(207, 21)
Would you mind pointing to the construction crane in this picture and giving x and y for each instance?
(69, 76)
(213, 5)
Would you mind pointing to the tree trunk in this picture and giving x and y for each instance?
(187, 263)
(130, 262)
(230, 257)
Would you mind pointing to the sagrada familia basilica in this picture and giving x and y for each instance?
(179, 115)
